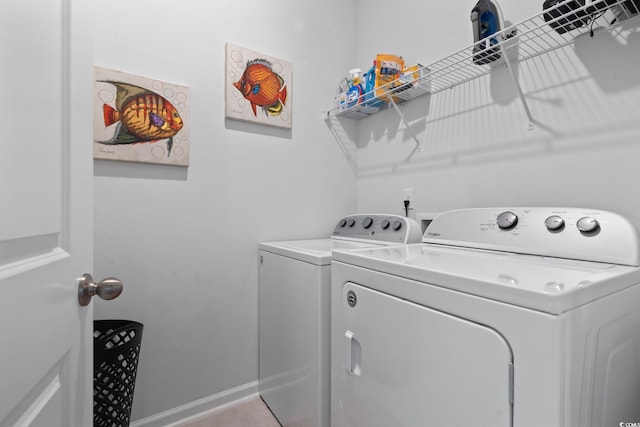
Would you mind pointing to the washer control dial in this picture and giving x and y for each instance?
(507, 220)
(351, 222)
(342, 223)
(587, 224)
(385, 224)
(397, 225)
(554, 223)
(367, 222)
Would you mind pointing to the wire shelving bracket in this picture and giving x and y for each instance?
(551, 29)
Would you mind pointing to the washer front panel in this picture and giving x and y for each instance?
(414, 366)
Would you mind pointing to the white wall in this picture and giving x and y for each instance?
(184, 240)
(476, 150)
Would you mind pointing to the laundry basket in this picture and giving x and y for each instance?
(116, 349)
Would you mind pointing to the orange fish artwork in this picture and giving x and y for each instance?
(142, 116)
(263, 87)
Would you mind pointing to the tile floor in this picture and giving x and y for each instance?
(253, 413)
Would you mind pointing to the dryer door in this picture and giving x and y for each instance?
(409, 365)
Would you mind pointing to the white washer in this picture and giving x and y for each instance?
(294, 314)
(501, 317)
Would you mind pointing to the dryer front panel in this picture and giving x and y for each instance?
(407, 365)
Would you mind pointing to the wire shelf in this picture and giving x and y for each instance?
(551, 29)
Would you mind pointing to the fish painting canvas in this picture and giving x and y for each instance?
(140, 119)
(258, 87)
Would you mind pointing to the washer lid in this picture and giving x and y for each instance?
(315, 251)
(551, 285)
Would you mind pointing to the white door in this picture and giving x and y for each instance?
(407, 365)
(45, 213)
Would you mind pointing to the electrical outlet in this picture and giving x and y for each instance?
(408, 195)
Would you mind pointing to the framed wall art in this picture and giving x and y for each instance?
(257, 87)
(140, 119)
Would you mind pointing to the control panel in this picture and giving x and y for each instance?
(584, 234)
(377, 227)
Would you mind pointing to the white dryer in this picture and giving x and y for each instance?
(294, 314)
(501, 317)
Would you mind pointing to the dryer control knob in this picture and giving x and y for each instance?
(385, 224)
(554, 223)
(587, 224)
(397, 225)
(351, 222)
(342, 222)
(507, 220)
(367, 222)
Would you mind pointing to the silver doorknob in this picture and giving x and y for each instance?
(107, 289)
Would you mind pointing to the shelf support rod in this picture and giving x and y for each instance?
(345, 151)
(523, 99)
(406, 124)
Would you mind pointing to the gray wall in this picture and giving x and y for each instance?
(476, 150)
(184, 240)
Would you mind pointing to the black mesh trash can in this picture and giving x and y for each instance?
(116, 349)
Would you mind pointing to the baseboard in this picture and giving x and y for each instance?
(201, 407)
